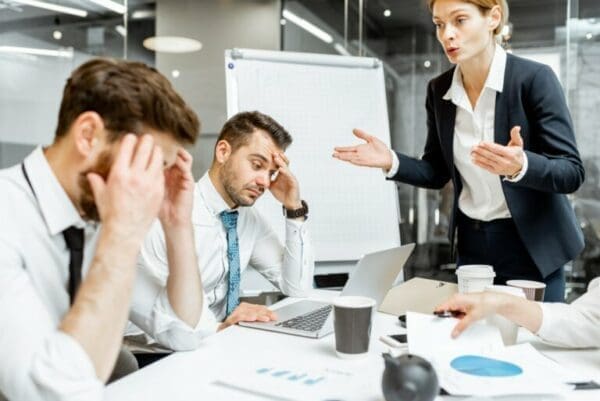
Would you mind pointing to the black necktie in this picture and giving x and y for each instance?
(74, 239)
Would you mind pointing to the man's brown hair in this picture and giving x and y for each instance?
(127, 95)
(239, 128)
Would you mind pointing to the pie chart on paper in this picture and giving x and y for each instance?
(487, 367)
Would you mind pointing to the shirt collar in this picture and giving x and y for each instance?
(494, 81)
(212, 198)
(57, 209)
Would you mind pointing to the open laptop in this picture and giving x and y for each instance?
(374, 275)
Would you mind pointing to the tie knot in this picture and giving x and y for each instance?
(229, 219)
(74, 238)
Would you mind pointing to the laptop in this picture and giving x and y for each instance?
(374, 275)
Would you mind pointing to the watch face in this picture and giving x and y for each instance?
(303, 211)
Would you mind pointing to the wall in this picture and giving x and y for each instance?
(219, 25)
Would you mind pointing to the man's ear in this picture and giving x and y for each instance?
(87, 131)
(222, 151)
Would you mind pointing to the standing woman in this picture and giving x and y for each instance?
(499, 128)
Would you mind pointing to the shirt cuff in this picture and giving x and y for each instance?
(551, 316)
(522, 173)
(64, 371)
(395, 166)
(295, 230)
(174, 333)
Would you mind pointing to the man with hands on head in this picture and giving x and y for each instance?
(499, 128)
(231, 235)
(576, 325)
(69, 284)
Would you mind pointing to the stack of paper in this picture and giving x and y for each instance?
(478, 364)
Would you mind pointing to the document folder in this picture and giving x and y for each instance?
(417, 295)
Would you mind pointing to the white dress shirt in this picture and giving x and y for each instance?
(481, 197)
(575, 325)
(289, 267)
(40, 362)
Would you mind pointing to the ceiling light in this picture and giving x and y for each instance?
(64, 52)
(341, 49)
(307, 26)
(111, 5)
(53, 7)
(589, 36)
(387, 12)
(172, 44)
(143, 14)
(121, 30)
(427, 64)
(57, 35)
(175, 74)
(282, 21)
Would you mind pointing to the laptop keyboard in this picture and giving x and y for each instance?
(311, 321)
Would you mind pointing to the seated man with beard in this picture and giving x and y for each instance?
(67, 283)
(230, 234)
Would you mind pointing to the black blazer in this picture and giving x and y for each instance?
(533, 99)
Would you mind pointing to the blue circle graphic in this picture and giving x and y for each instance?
(481, 366)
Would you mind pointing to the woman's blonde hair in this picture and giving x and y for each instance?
(485, 6)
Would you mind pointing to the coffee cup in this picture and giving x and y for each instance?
(474, 278)
(352, 321)
(534, 290)
(508, 330)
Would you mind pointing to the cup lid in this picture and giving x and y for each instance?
(526, 284)
(475, 271)
(353, 302)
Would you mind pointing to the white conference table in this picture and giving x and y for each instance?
(238, 352)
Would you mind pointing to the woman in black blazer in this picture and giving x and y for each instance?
(499, 128)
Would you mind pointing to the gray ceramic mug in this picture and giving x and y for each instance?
(352, 320)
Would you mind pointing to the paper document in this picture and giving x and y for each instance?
(518, 369)
(284, 382)
(478, 364)
(428, 335)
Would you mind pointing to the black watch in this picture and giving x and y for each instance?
(295, 213)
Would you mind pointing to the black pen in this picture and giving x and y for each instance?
(447, 313)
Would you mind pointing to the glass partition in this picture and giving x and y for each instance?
(564, 34)
(40, 46)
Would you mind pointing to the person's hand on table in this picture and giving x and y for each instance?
(246, 312)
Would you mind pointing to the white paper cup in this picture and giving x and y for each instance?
(534, 290)
(474, 278)
(508, 330)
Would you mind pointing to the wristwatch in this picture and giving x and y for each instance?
(295, 213)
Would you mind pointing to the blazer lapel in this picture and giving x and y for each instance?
(501, 130)
(501, 123)
(447, 114)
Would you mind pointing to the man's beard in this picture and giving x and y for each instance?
(87, 202)
(227, 176)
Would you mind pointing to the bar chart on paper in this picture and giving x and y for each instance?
(287, 383)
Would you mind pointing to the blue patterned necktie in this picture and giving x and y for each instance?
(229, 220)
